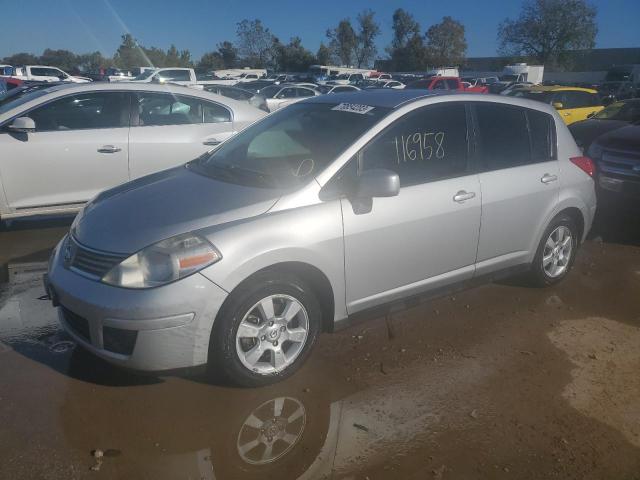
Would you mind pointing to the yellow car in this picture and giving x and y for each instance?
(573, 103)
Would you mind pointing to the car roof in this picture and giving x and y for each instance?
(392, 98)
(376, 98)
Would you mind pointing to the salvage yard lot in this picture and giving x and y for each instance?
(528, 383)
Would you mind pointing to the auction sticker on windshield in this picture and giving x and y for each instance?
(353, 108)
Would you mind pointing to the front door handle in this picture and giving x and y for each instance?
(109, 149)
(211, 142)
(546, 178)
(566, 114)
(462, 196)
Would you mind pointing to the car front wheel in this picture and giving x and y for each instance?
(265, 330)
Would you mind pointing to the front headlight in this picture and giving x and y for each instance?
(163, 262)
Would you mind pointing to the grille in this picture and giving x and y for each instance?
(78, 324)
(92, 262)
(118, 340)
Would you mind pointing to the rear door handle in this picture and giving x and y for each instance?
(211, 142)
(462, 196)
(546, 178)
(109, 149)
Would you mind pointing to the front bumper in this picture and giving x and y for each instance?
(154, 329)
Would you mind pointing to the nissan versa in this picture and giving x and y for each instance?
(329, 207)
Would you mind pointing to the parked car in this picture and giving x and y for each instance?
(6, 70)
(45, 73)
(23, 89)
(62, 145)
(614, 116)
(232, 92)
(309, 216)
(444, 83)
(336, 88)
(617, 157)
(346, 79)
(274, 97)
(573, 103)
(257, 85)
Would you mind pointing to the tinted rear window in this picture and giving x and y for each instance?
(504, 137)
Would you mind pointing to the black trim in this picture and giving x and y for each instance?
(389, 308)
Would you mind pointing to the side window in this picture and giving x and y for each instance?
(288, 93)
(452, 84)
(45, 72)
(214, 113)
(304, 92)
(440, 85)
(504, 137)
(542, 130)
(176, 75)
(156, 109)
(83, 111)
(426, 145)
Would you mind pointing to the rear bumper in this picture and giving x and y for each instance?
(155, 329)
(619, 185)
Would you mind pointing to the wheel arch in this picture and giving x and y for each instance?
(318, 281)
(576, 215)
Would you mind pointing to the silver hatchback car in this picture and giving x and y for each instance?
(330, 207)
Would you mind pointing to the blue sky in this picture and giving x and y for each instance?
(89, 25)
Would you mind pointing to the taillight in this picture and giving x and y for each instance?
(585, 163)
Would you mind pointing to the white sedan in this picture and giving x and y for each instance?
(64, 144)
(274, 97)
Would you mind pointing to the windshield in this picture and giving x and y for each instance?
(509, 78)
(289, 147)
(626, 111)
(20, 97)
(144, 75)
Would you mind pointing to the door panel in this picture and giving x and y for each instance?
(61, 167)
(171, 130)
(426, 236)
(514, 202)
(519, 185)
(393, 250)
(156, 148)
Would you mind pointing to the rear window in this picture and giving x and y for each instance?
(512, 136)
(504, 137)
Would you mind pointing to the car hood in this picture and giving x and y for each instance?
(625, 138)
(586, 131)
(134, 215)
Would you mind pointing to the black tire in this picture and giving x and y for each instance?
(538, 276)
(224, 362)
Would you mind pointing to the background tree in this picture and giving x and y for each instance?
(22, 58)
(292, 57)
(546, 29)
(365, 48)
(255, 43)
(154, 56)
(323, 55)
(405, 27)
(407, 52)
(229, 54)
(92, 62)
(129, 54)
(210, 61)
(63, 59)
(446, 43)
(342, 42)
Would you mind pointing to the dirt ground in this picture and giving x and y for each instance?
(501, 381)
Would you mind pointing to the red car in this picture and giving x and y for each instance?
(445, 83)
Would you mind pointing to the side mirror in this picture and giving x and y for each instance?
(558, 105)
(378, 182)
(23, 124)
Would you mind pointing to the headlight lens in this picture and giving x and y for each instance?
(163, 262)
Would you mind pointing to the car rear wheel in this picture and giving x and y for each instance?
(556, 252)
(265, 330)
